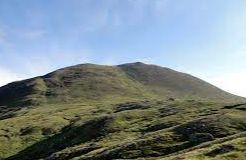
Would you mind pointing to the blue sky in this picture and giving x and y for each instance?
(206, 38)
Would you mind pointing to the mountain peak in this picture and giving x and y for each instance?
(133, 63)
(91, 81)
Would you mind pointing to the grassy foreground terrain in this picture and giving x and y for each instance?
(131, 111)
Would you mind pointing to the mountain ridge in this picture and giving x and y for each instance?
(133, 79)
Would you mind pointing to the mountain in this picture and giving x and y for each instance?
(89, 81)
(128, 111)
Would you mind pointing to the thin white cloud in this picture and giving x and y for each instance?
(71, 57)
(232, 82)
(55, 58)
(7, 76)
(35, 65)
(227, 79)
(120, 14)
(32, 33)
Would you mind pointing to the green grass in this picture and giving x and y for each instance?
(231, 148)
(107, 112)
(126, 128)
(96, 82)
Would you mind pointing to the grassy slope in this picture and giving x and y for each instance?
(73, 84)
(84, 112)
(152, 129)
(165, 81)
(231, 147)
(88, 81)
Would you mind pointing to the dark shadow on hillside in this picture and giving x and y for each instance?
(8, 112)
(131, 106)
(153, 147)
(69, 136)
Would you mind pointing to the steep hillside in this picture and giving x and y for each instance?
(130, 111)
(165, 81)
(89, 81)
(71, 84)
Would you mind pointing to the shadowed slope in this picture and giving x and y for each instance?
(167, 81)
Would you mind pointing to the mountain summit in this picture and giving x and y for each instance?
(90, 81)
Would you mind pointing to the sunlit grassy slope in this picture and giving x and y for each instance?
(130, 111)
(89, 81)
